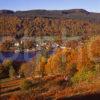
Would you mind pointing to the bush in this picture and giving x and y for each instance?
(7, 63)
(83, 76)
(26, 85)
(3, 72)
(12, 72)
(26, 69)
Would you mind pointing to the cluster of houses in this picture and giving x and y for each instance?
(36, 45)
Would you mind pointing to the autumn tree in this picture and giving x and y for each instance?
(26, 69)
(9, 68)
(40, 68)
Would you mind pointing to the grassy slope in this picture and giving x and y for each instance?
(49, 87)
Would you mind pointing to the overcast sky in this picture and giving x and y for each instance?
(90, 5)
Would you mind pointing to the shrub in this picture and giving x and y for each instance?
(82, 76)
(12, 72)
(7, 63)
(5, 68)
(26, 85)
(3, 72)
(26, 69)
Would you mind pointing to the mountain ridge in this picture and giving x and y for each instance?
(80, 14)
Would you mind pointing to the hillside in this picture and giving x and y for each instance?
(71, 73)
(49, 22)
(71, 14)
(51, 88)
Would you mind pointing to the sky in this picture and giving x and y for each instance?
(90, 5)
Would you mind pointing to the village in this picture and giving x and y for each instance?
(31, 44)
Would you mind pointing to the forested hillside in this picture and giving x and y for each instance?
(43, 22)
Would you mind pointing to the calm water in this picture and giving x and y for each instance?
(20, 56)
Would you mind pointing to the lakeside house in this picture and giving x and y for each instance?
(17, 44)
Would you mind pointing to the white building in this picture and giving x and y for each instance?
(17, 44)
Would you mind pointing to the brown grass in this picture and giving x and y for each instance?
(49, 88)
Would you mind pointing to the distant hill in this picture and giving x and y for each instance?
(6, 12)
(71, 14)
(46, 22)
